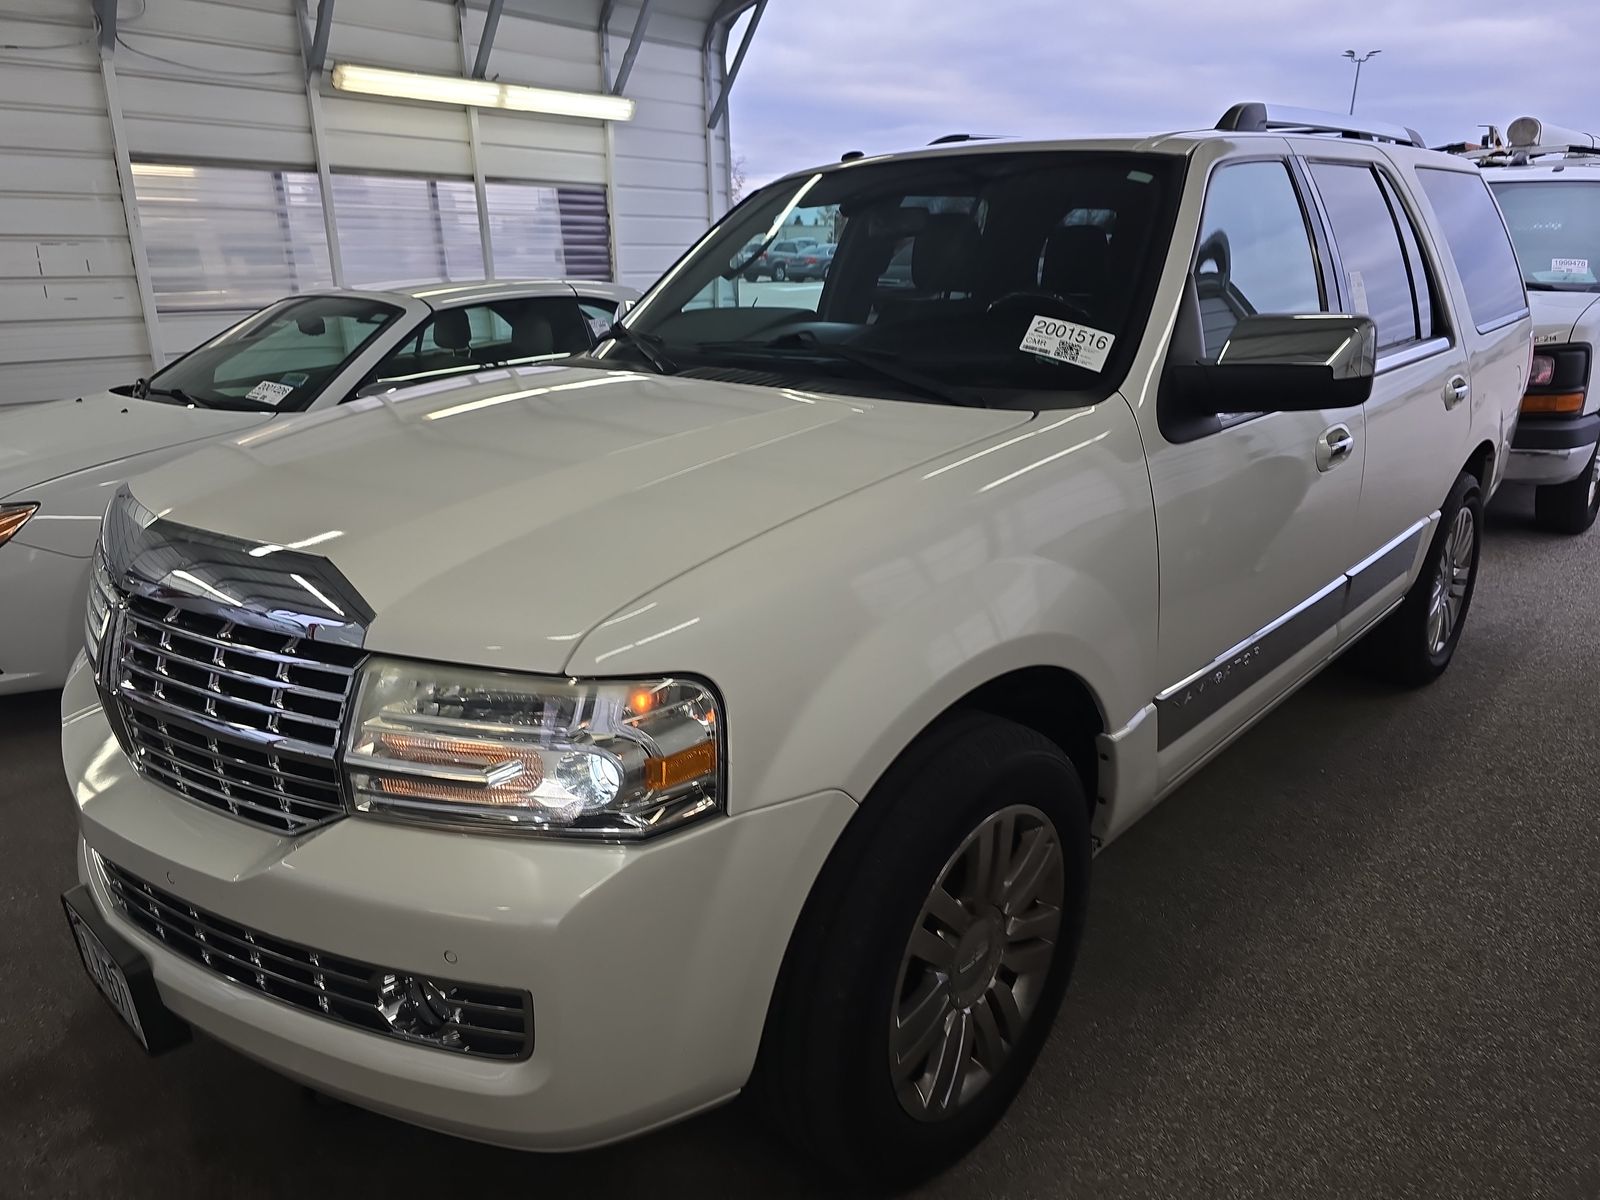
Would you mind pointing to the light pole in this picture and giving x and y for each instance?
(1358, 59)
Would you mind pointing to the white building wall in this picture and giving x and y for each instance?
(67, 288)
(230, 92)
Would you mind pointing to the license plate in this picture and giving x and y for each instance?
(107, 975)
(122, 975)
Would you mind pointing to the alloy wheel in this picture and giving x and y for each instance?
(976, 964)
(1450, 583)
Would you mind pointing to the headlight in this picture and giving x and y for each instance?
(488, 749)
(12, 518)
(102, 598)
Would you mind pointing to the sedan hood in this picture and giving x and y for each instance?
(1556, 314)
(41, 442)
(499, 518)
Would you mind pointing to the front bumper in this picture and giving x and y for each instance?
(42, 592)
(1550, 450)
(650, 966)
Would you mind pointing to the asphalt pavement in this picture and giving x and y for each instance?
(1358, 956)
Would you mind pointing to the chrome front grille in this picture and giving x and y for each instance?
(234, 716)
(481, 1021)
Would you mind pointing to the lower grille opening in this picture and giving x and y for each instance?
(484, 1022)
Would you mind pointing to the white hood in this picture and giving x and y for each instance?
(499, 521)
(42, 442)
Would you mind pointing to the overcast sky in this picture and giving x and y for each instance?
(826, 76)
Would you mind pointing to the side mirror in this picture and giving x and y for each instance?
(1285, 364)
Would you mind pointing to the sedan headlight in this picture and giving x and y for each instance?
(488, 749)
(12, 518)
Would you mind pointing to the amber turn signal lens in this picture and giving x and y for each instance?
(12, 518)
(682, 767)
(1553, 403)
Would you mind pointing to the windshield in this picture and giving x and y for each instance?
(278, 360)
(1555, 226)
(998, 275)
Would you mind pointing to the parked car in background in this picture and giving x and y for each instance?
(545, 760)
(777, 260)
(302, 354)
(812, 263)
(1547, 181)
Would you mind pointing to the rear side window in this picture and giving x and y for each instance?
(1378, 271)
(1478, 242)
(1255, 251)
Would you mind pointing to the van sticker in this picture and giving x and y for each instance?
(1545, 338)
(1068, 342)
(1358, 293)
(1572, 266)
(268, 392)
(295, 379)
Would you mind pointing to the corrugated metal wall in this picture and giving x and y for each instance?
(219, 83)
(67, 288)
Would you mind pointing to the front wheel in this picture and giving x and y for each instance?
(1416, 643)
(1570, 507)
(926, 970)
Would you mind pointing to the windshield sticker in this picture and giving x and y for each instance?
(268, 392)
(1068, 342)
(1572, 266)
(294, 379)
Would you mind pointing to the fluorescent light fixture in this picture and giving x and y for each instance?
(162, 169)
(479, 93)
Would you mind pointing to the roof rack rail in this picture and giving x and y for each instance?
(964, 137)
(1254, 117)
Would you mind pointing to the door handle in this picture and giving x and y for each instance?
(1457, 390)
(1335, 446)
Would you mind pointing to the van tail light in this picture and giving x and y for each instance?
(1558, 381)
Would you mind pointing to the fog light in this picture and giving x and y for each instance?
(419, 1008)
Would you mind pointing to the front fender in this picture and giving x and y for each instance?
(837, 638)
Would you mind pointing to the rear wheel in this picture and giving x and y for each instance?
(929, 964)
(780, 272)
(1416, 643)
(1570, 507)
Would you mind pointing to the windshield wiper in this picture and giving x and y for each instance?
(1576, 285)
(178, 394)
(805, 343)
(651, 347)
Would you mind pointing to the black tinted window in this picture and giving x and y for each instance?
(1254, 254)
(1377, 276)
(1478, 243)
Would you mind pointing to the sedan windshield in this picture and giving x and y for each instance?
(1556, 229)
(983, 278)
(278, 360)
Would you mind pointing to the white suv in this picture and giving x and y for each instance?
(1548, 183)
(547, 758)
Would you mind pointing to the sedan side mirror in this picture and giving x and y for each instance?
(1294, 363)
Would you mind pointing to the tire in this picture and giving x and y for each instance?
(780, 273)
(855, 973)
(1570, 507)
(1416, 643)
(751, 276)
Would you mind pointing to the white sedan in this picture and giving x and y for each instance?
(60, 462)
